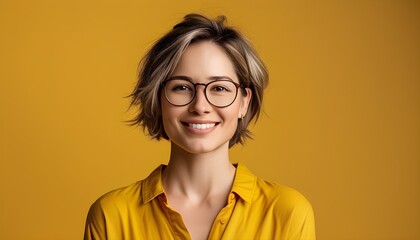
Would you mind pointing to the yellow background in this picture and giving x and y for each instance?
(341, 118)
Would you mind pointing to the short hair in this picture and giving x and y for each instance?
(161, 60)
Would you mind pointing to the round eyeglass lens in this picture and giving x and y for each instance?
(221, 93)
(179, 92)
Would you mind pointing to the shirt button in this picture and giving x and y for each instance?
(231, 198)
(222, 221)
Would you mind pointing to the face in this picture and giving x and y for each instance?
(200, 127)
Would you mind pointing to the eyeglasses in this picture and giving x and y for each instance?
(219, 93)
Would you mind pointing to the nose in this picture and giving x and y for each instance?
(199, 104)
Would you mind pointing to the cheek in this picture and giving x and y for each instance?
(234, 109)
(166, 108)
(170, 115)
(230, 114)
(167, 114)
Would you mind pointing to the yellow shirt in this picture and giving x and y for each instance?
(255, 209)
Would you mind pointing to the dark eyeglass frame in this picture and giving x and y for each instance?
(237, 85)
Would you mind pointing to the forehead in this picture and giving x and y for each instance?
(203, 61)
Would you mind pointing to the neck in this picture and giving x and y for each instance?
(198, 176)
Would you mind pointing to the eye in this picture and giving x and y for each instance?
(222, 87)
(181, 88)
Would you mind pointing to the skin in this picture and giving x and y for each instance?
(199, 175)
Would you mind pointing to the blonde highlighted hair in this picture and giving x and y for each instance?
(161, 60)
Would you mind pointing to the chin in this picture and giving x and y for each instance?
(202, 148)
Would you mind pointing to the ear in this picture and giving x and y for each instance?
(245, 100)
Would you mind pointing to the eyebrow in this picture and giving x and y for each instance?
(212, 78)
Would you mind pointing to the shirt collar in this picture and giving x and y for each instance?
(152, 187)
(243, 184)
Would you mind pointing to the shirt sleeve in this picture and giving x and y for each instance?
(295, 215)
(95, 228)
(302, 223)
(308, 226)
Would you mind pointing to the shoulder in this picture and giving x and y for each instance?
(116, 199)
(283, 199)
(108, 208)
(267, 195)
(288, 207)
(127, 198)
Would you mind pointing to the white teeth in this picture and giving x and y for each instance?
(201, 126)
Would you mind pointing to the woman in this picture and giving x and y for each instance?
(199, 87)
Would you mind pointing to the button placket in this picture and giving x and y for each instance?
(176, 222)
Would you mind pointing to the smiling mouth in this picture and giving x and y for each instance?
(200, 125)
